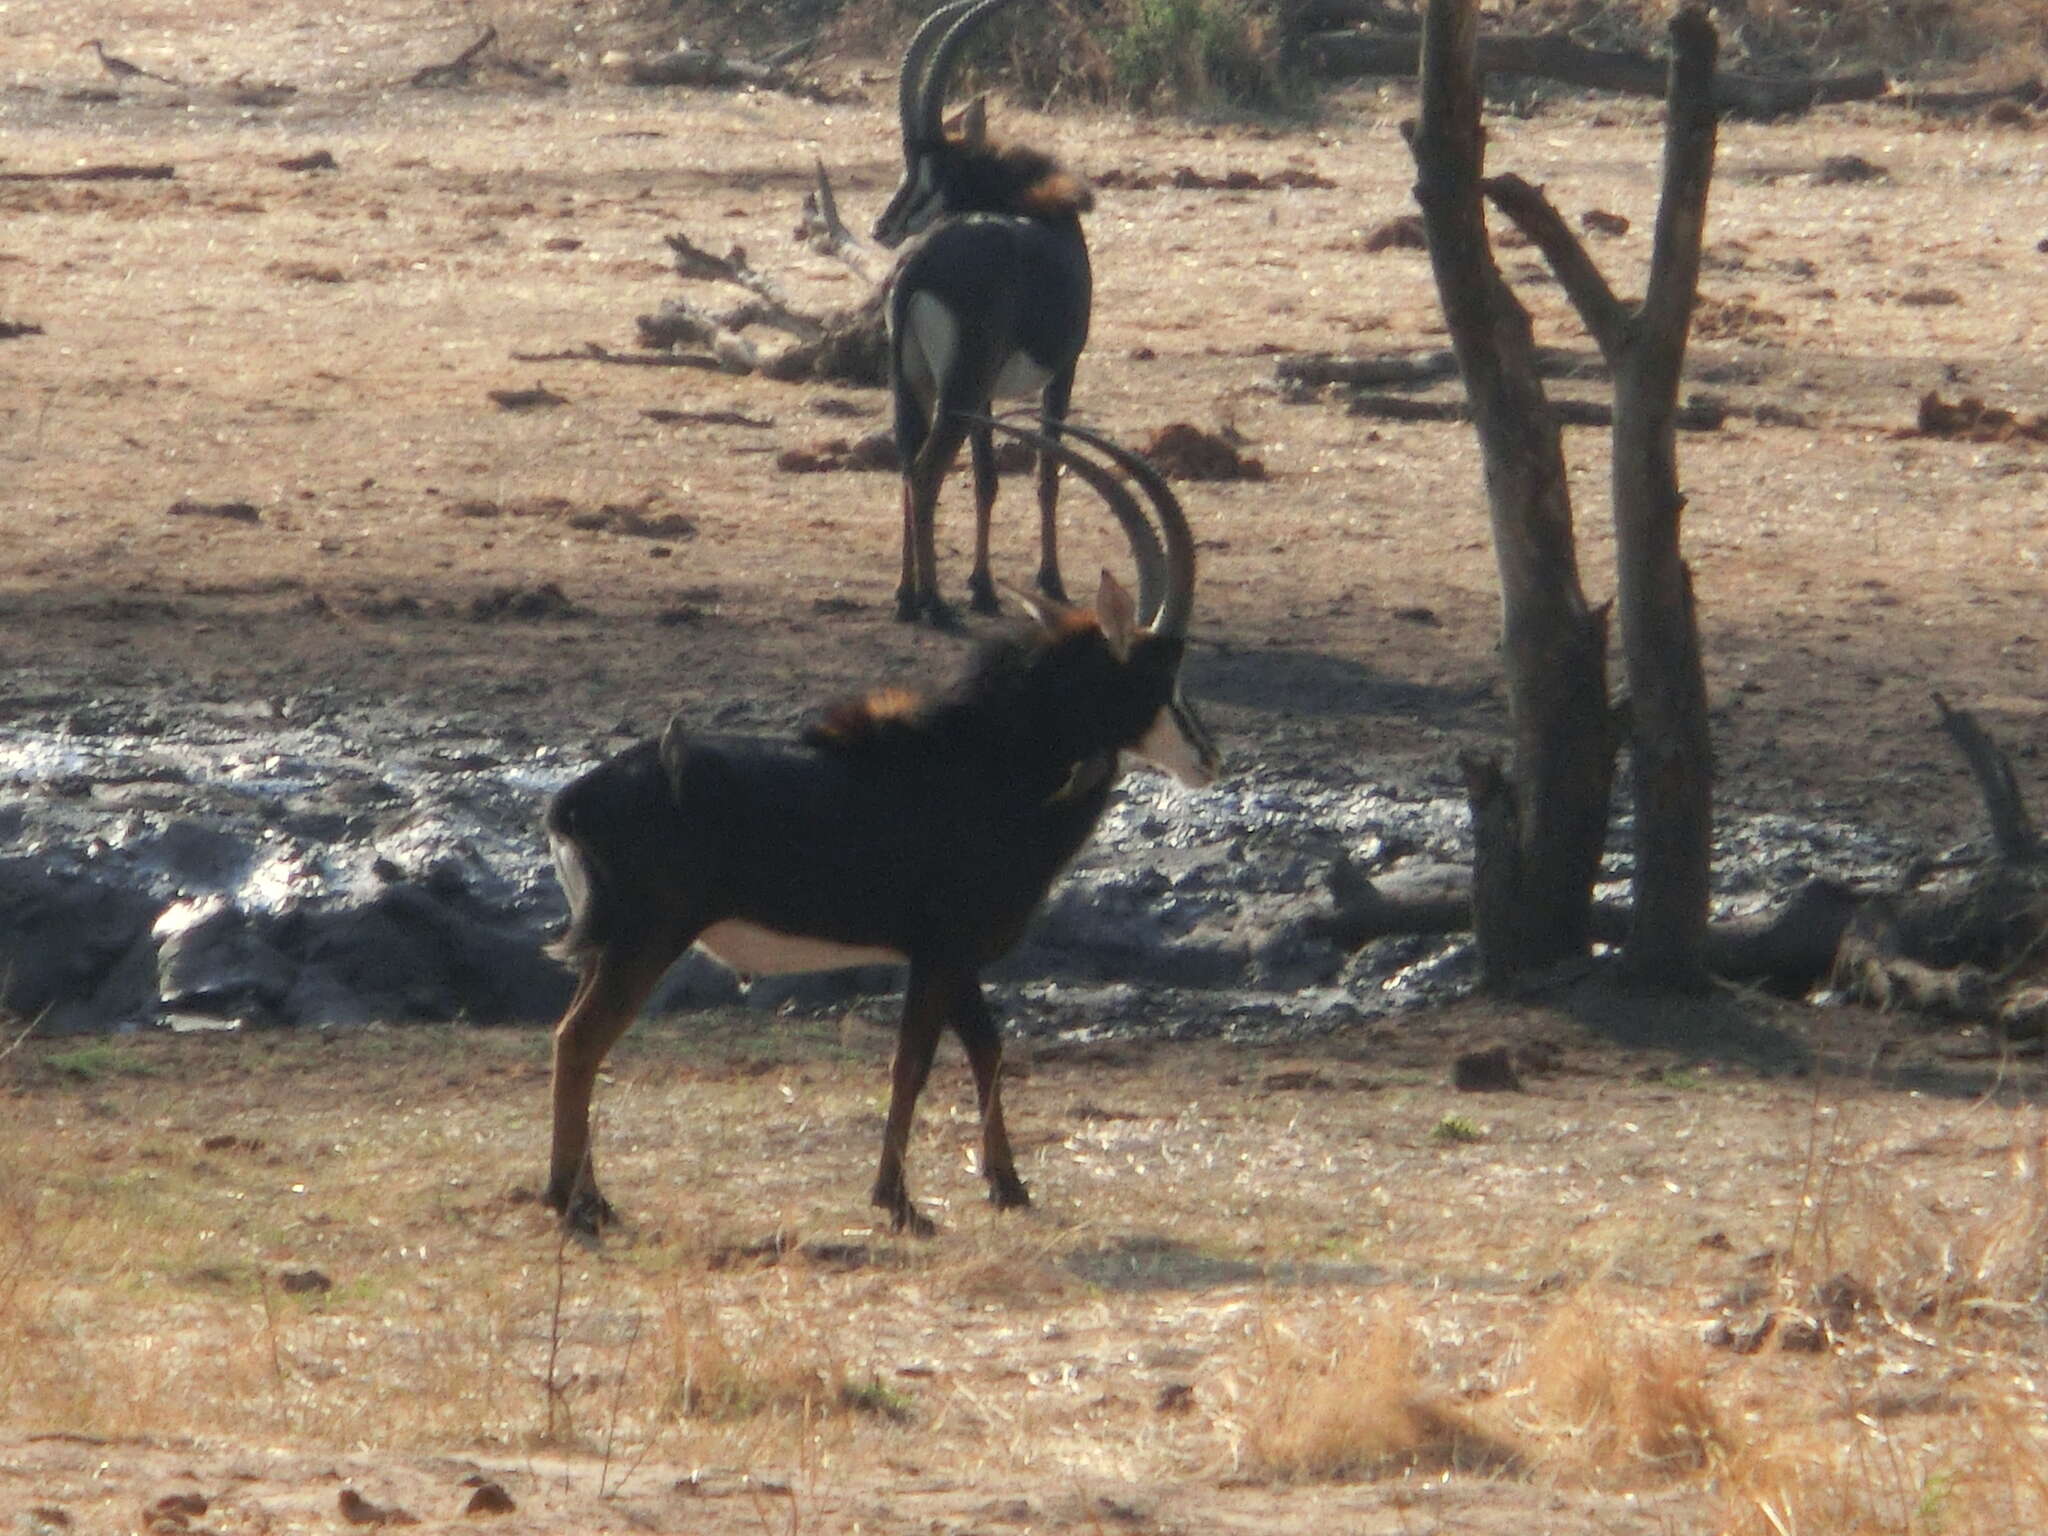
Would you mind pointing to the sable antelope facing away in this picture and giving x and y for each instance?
(992, 303)
(898, 828)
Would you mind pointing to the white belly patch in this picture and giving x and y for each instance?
(752, 950)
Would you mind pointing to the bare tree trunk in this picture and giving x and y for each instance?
(1548, 836)
(1671, 753)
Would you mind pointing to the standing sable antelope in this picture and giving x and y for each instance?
(992, 303)
(898, 828)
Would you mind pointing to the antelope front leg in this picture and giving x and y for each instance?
(917, 1038)
(984, 1042)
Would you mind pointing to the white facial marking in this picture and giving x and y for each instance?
(1167, 747)
(752, 950)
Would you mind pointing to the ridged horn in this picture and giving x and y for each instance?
(910, 79)
(1146, 554)
(1172, 616)
(931, 104)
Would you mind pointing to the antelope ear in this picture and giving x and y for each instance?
(1045, 611)
(1117, 613)
(971, 122)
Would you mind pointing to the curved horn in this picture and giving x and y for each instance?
(910, 80)
(1172, 616)
(931, 105)
(1153, 574)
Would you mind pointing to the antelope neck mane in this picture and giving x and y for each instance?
(1026, 180)
(980, 703)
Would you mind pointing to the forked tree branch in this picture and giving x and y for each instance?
(1606, 317)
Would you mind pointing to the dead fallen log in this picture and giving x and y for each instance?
(2012, 831)
(2030, 94)
(1971, 946)
(1319, 368)
(1791, 949)
(591, 352)
(1554, 56)
(97, 173)
(847, 346)
(1315, 369)
(1698, 416)
(696, 68)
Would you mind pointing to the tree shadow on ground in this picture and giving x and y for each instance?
(1310, 683)
(1133, 1261)
(1777, 1038)
(1718, 1025)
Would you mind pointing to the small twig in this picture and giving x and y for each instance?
(556, 1392)
(611, 1424)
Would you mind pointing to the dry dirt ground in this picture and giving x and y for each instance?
(321, 345)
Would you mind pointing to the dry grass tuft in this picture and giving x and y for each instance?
(1358, 1405)
(723, 1367)
(1607, 1394)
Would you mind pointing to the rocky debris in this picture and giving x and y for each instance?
(545, 601)
(488, 1498)
(1848, 170)
(1971, 420)
(225, 511)
(877, 451)
(1183, 451)
(1489, 1071)
(538, 398)
(1400, 233)
(357, 1510)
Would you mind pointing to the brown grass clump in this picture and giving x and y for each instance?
(1605, 1393)
(1357, 1405)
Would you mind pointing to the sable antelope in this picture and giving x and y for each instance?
(898, 828)
(993, 302)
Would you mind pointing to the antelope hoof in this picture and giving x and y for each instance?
(1050, 584)
(929, 609)
(915, 1222)
(981, 594)
(1006, 1192)
(903, 1216)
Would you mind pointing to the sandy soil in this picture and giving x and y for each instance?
(321, 345)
